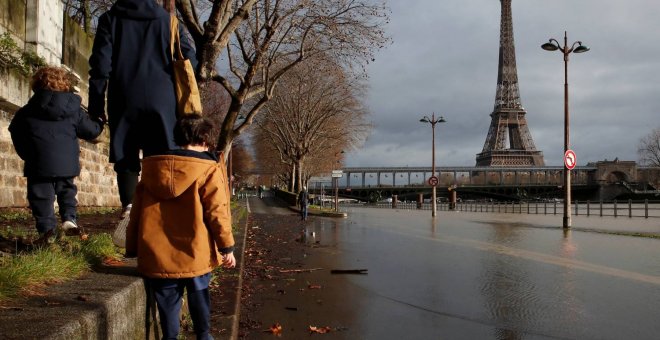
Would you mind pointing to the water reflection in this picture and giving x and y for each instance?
(571, 303)
(507, 280)
(506, 288)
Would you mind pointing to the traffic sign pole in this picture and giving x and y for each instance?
(570, 159)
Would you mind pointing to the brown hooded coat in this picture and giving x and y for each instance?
(180, 217)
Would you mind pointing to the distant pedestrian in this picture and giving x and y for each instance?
(45, 134)
(132, 60)
(260, 190)
(303, 201)
(180, 220)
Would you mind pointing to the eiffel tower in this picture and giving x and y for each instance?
(509, 143)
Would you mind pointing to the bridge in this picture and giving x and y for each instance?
(601, 180)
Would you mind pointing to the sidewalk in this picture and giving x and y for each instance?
(288, 281)
(110, 303)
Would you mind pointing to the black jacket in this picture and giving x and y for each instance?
(45, 133)
(303, 198)
(131, 59)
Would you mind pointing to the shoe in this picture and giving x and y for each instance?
(47, 237)
(70, 228)
(126, 211)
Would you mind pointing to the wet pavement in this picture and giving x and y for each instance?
(458, 276)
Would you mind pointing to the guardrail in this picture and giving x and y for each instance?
(629, 208)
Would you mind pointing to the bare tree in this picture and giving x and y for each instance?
(256, 42)
(649, 148)
(314, 114)
(85, 12)
(278, 35)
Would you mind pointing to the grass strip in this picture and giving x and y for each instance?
(29, 272)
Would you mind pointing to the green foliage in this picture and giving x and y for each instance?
(14, 215)
(97, 210)
(14, 57)
(93, 250)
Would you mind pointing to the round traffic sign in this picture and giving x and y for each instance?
(433, 181)
(570, 159)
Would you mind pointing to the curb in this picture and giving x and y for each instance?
(241, 265)
(107, 303)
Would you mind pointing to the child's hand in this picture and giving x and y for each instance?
(228, 260)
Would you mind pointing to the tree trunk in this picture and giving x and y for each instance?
(292, 181)
(299, 180)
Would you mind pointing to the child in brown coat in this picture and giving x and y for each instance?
(180, 225)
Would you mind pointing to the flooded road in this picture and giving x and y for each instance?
(460, 278)
(486, 276)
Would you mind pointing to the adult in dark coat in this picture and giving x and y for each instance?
(303, 201)
(132, 59)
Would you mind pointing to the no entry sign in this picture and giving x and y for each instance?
(570, 159)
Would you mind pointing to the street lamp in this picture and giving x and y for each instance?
(553, 45)
(336, 182)
(433, 121)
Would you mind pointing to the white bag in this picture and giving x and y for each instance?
(119, 236)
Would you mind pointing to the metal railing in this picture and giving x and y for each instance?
(629, 208)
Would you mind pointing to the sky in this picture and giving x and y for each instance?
(444, 59)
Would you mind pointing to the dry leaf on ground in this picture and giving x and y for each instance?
(320, 330)
(275, 329)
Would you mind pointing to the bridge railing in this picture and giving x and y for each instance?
(629, 208)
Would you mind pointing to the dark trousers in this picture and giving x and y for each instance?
(41, 194)
(168, 294)
(303, 212)
(128, 171)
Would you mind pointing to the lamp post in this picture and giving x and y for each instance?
(433, 121)
(336, 182)
(553, 45)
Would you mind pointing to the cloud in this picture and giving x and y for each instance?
(444, 60)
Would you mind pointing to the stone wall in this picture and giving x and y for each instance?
(40, 25)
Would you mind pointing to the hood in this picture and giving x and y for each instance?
(138, 9)
(55, 105)
(168, 176)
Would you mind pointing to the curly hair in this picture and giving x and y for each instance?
(51, 78)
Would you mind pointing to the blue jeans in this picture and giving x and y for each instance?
(303, 212)
(168, 294)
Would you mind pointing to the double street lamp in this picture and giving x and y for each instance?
(576, 47)
(433, 121)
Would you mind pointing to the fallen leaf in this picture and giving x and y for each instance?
(109, 261)
(314, 286)
(275, 329)
(84, 237)
(320, 330)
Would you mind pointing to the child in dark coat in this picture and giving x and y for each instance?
(45, 134)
